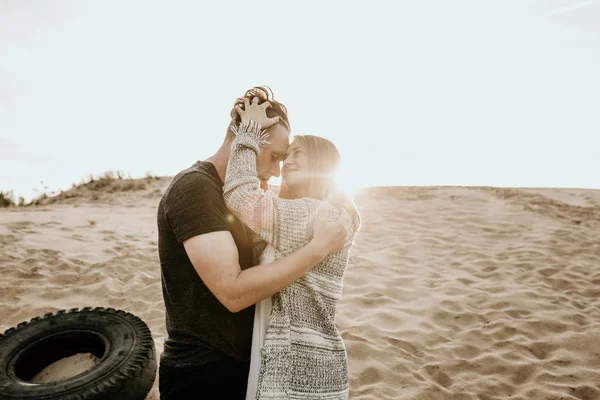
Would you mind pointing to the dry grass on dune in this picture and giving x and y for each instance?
(100, 189)
(6, 199)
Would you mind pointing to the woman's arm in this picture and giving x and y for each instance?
(286, 224)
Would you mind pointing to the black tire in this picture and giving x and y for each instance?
(122, 341)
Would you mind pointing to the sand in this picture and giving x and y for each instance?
(66, 368)
(452, 293)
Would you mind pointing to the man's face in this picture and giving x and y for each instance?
(267, 164)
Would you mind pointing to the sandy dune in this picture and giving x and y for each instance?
(452, 293)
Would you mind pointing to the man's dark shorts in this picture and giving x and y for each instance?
(223, 379)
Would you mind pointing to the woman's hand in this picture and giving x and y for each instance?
(256, 112)
(333, 229)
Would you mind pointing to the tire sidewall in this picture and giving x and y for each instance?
(119, 332)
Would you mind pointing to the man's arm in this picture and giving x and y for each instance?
(215, 258)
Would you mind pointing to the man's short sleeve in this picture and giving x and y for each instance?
(195, 206)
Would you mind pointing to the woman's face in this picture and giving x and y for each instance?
(295, 172)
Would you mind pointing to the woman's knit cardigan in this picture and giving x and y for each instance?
(303, 356)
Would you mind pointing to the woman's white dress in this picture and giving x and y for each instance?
(262, 312)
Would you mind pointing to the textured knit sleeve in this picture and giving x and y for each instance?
(258, 245)
(286, 224)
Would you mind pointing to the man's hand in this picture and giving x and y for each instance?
(257, 113)
(334, 230)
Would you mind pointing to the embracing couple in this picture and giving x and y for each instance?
(250, 278)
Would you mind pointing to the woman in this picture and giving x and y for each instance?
(297, 351)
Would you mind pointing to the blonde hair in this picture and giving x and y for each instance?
(323, 161)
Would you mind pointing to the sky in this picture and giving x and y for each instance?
(465, 93)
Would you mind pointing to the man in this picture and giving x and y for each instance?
(208, 281)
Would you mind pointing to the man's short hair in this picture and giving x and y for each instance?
(263, 93)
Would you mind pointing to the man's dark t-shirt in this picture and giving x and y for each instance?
(201, 329)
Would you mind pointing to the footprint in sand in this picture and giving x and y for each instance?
(50, 252)
(8, 239)
(110, 238)
(438, 376)
(80, 238)
(523, 373)
(112, 252)
(20, 225)
(586, 392)
(77, 262)
(50, 223)
(406, 348)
